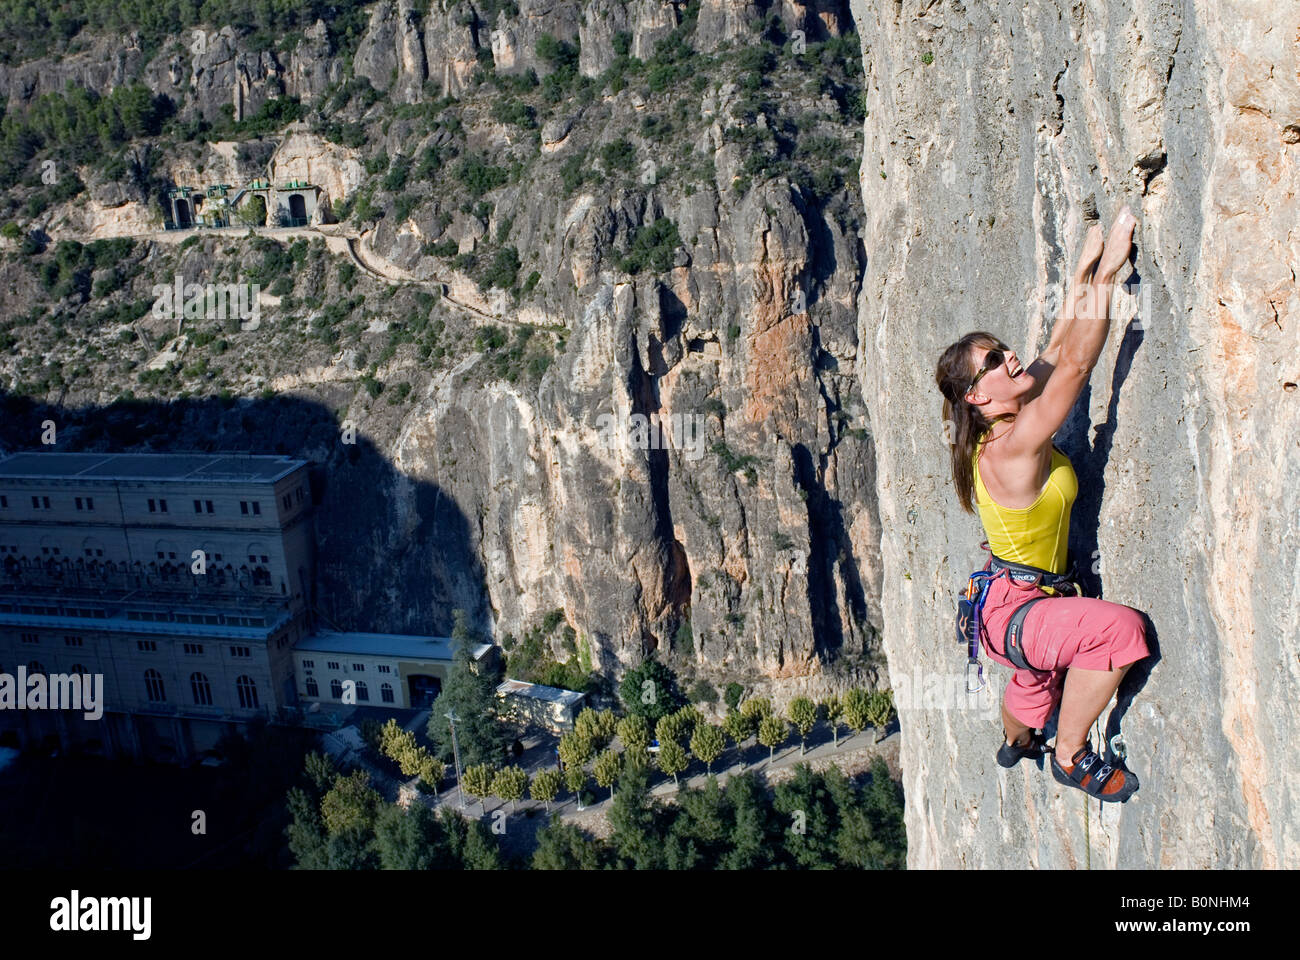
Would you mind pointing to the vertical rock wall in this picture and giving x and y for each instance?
(992, 129)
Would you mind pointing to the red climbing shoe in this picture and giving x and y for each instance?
(1088, 773)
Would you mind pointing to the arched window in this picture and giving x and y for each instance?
(312, 689)
(153, 686)
(202, 690)
(336, 689)
(362, 692)
(247, 692)
(386, 692)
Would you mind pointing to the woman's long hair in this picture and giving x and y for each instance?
(967, 422)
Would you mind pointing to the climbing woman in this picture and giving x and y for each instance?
(1072, 650)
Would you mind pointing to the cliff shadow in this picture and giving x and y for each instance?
(375, 570)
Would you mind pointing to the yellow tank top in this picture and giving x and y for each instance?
(1037, 535)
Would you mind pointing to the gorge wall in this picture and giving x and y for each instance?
(993, 129)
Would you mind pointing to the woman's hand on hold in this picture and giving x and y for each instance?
(1118, 246)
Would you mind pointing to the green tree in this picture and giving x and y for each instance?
(803, 714)
(772, 732)
(753, 840)
(634, 731)
(470, 692)
(598, 727)
(672, 758)
(880, 710)
(546, 786)
(411, 839)
(707, 743)
(739, 728)
(857, 706)
(575, 749)
(320, 770)
(477, 782)
(731, 696)
(510, 783)
(575, 778)
(633, 820)
(650, 690)
(563, 846)
(834, 708)
(606, 769)
(757, 708)
(350, 802)
(306, 831)
(671, 728)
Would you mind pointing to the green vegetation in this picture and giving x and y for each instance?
(339, 822)
(531, 658)
(651, 248)
(470, 692)
(78, 125)
(650, 691)
(30, 29)
(812, 821)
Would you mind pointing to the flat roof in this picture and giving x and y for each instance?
(537, 691)
(192, 467)
(402, 645)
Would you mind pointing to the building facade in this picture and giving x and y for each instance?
(188, 582)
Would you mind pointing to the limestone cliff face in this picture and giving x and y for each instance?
(992, 128)
(738, 539)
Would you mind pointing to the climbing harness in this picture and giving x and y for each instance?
(970, 610)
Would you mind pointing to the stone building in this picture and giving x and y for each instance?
(187, 581)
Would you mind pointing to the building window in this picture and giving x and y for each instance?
(309, 664)
(153, 686)
(247, 692)
(147, 646)
(36, 667)
(4, 502)
(312, 689)
(240, 652)
(253, 506)
(362, 692)
(31, 638)
(384, 668)
(73, 642)
(359, 667)
(153, 505)
(40, 503)
(78, 668)
(386, 692)
(87, 503)
(202, 690)
(331, 664)
(336, 689)
(198, 506)
(194, 649)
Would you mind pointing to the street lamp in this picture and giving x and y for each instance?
(455, 755)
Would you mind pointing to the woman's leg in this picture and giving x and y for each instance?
(1017, 732)
(1085, 695)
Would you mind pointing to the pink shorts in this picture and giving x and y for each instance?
(1061, 632)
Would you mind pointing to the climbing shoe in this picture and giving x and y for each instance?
(1096, 778)
(1009, 755)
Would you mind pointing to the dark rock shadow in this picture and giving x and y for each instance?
(374, 572)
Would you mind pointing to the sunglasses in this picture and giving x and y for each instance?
(994, 358)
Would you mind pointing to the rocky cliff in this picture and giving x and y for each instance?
(994, 129)
(602, 319)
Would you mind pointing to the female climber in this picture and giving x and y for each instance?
(1079, 647)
